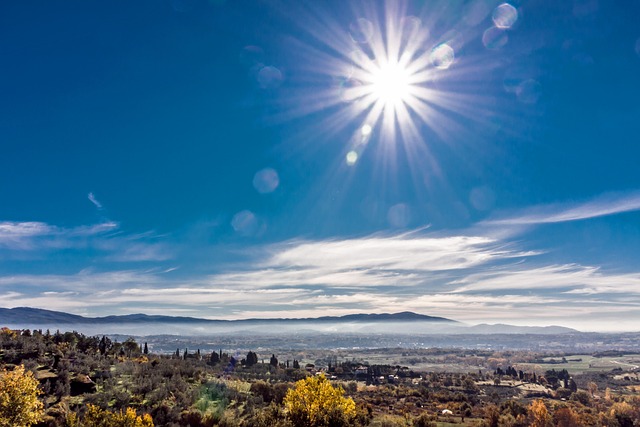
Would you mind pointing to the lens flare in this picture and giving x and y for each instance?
(505, 16)
(442, 56)
(388, 82)
(352, 158)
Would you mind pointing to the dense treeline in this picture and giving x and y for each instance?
(82, 381)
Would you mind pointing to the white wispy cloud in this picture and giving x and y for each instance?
(125, 250)
(30, 235)
(370, 261)
(40, 239)
(569, 278)
(58, 302)
(92, 199)
(395, 252)
(21, 235)
(91, 230)
(12, 229)
(85, 281)
(609, 204)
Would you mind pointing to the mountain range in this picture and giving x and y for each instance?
(28, 315)
(24, 317)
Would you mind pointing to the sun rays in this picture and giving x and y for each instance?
(392, 74)
(389, 79)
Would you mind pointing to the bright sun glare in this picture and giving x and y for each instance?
(390, 84)
(390, 76)
(389, 80)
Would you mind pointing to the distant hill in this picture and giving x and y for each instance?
(405, 316)
(35, 316)
(511, 329)
(409, 322)
(28, 315)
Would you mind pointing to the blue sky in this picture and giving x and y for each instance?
(475, 160)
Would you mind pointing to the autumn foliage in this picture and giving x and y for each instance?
(96, 417)
(19, 404)
(314, 402)
(539, 414)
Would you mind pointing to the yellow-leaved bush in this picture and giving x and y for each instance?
(314, 402)
(96, 417)
(19, 404)
(539, 415)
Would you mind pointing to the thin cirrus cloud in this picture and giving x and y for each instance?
(38, 238)
(85, 281)
(92, 199)
(32, 235)
(609, 204)
(567, 278)
(86, 292)
(21, 235)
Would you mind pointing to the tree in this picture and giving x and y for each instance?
(270, 416)
(623, 413)
(96, 417)
(263, 390)
(423, 420)
(146, 349)
(513, 408)
(252, 359)
(19, 404)
(131, 347)
(8, 333)
(314, 402)
(539, 415)
(470, 385)
(104, 346)
(491, 416)
(566, 417)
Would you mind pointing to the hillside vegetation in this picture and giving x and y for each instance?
(69, 379)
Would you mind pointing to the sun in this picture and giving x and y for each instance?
(390, 84)
(391, 77)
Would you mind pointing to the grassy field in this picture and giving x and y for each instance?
(587, 363)
(451, 362)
